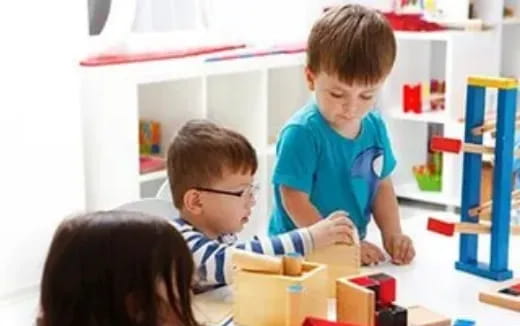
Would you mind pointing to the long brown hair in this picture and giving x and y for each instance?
(98, 262)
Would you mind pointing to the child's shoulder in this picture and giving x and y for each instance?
(374, 118)
(307, 117)
(373, 123)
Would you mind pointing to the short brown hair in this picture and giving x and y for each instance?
(354, 43)
(201, 152)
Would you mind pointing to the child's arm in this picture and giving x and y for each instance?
(213, 258)
(386, 215)
(299, 207)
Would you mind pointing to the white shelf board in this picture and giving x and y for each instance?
(430, 116)
(445, 35)
(412, 191)
(177, 69)
(152, 176)
(511, 21)
(424, 36)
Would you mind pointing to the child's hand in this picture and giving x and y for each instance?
(336, 228)
(371, 254)
(400, 248)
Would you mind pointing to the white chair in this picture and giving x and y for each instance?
(152, 206)
(164, 192)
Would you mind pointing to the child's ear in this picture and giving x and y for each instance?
(309, 77)
(192, 201)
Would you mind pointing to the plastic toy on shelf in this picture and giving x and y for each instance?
(150, 147)
(411, 22)
(422, 97)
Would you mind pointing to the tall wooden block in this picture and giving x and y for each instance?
(420, 316)
(355, 304)
(342, 260)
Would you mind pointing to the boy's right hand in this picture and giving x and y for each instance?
(336, 228)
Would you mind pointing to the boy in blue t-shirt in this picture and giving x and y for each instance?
(334, 153)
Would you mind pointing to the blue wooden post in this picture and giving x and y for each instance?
(502, 184)
(471, 177)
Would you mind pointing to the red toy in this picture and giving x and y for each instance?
(441, 227)
(411, 22)
(412, 98)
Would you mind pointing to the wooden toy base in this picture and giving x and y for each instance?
(506, 295)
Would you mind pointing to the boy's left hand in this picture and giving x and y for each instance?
(400, 248)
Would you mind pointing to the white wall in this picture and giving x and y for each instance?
(41, 173)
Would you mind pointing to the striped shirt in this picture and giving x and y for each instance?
(212, 257)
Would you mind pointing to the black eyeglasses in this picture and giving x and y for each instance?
(248, 192)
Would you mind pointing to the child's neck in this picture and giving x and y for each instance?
(349, 130)
(199, 223)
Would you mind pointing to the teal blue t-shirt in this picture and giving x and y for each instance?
(338, 173)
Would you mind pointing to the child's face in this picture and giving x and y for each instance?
(228, 212)
(341, 104)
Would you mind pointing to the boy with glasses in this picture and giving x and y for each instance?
(211, 171)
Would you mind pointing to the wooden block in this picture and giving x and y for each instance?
(355, 304)
(504, 300)
(261, 299)
(292, 264)
(342, 260)
(295, 315)
(250, 261)
(420, 316)
(387, 287)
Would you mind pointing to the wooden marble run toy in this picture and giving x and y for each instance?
(505, 296)
(449, 229)
(502, 197)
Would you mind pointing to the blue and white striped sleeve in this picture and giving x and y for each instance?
(213, 259)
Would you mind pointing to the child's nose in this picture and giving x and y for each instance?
(349, 108)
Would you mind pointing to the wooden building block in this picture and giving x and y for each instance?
(292, 264)
(261, 299)
(253, 262)
(387, 287)
(354, 303)
(295, 316)
(342, 260)
(420, 316)
(505, 295)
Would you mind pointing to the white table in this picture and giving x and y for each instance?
(432, 281)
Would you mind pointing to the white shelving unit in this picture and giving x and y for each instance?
(449, 56)
(253, 96)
